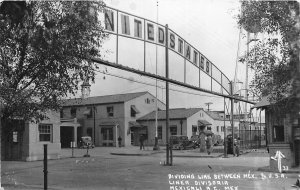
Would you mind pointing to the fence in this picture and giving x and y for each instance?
(252, 139)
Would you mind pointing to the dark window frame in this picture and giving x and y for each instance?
(159, 132)
(73, 112)
(110, 111)
(45, 132)
(278, 133)
(172, 131)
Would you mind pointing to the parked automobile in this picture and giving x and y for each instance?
(181, 142)
(86, 142)
(217, 140)
(196, 140)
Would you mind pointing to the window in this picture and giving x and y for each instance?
(89, 112)
(217, 128)
(15, 136)
(45, 132)
(222, 128)
(159, 132)
(133, 111)
(73, 112)
(194, 129)
(110, 111)
(147, 101)
(173, 130)
(209, 128)
(278, 133)
(61, 113)
(89, 132)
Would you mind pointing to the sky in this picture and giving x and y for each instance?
(208, 25)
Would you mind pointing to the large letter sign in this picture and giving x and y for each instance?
(137, 28)
(109, 20)
(172, 41)
(150, 30)
(195, 57)
(120, 23)
(188, 52)
(180, 45)
(161, 35)
(125, 24)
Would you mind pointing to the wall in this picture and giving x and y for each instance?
(193, 120)
(286, 146)
(33, 148)
(151, 130)
(144, 108)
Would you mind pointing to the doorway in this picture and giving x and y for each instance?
(107, 136)
(297, 152)
(66, 136)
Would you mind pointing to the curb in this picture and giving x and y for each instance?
(136, 154)
(198, 156)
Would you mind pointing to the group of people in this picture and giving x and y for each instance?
(235, 149)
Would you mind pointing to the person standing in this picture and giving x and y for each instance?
(142, 147)
(120, 141)
(237, 146)
(209, 144)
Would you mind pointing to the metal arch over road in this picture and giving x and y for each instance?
(198, 72)
(125, 68)
(191, 69)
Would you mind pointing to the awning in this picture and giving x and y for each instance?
(135, 124)
(108, 123)
(203, 122)
(135, 109)
(263, 103)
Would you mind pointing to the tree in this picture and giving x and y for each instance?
(275, 58)
(44, 53)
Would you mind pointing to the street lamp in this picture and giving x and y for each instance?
(85, 92)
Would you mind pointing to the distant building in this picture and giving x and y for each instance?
(105, 118)
(182, 121)
(23, 140)
(185, 121)
(283, 133)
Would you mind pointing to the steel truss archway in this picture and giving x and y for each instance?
(121, 24)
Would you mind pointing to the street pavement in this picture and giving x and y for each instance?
(130, 168)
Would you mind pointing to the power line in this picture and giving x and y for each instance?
(149, 84)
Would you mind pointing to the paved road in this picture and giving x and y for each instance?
(105, 171)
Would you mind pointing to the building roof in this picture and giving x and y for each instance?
(178, 113)
(263, 103)
(215, 115)
(116, 98)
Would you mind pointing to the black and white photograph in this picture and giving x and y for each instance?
(150, 95)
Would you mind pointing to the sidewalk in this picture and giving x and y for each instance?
(149, 151)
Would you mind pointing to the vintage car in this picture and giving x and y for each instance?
(86, 142)
(196, 140)
(181, 142)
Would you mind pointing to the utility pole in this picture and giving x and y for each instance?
(208, 103)
(225, 138)
(167, 98)
(231, 114)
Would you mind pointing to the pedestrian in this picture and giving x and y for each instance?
(120, 141)
(209, 144)
(237, 146)
(142, 147)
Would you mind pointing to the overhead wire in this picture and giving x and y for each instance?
(161, 87)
